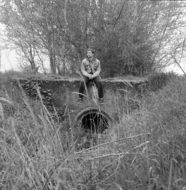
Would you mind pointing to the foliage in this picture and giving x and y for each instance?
(130, 36)
(157, 81)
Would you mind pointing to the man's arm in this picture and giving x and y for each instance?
(98, 70)
(83, 71)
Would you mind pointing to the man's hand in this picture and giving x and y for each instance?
(93, 76)
(90, 76)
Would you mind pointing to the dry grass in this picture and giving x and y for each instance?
(145, 150)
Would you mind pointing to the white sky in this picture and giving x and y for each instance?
(175, 68)
(9, 60)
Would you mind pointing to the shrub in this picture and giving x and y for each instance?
(157, 81)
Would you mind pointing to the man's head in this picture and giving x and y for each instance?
(90, 53)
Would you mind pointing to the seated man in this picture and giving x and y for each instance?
(90, 69)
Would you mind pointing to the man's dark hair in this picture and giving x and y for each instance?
(91, 49)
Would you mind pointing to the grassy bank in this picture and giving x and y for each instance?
(145, 150)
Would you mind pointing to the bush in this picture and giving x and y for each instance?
(163, 117)
(157, 81)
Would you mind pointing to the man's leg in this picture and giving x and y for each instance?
(99, 86)
(82, 87)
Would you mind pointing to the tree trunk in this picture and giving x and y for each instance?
(51, 50)
(52, 62)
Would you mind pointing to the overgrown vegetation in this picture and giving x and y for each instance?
(131, 37)
(145, 150)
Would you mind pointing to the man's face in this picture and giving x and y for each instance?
(90, 54)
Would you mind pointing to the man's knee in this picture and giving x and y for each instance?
(97, 79)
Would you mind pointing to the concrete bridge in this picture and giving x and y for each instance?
(120, 95)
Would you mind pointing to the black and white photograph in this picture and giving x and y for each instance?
(92, 94)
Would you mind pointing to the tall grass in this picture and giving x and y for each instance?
(145, 150)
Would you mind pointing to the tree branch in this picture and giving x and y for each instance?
(178, 62)
(119, 15)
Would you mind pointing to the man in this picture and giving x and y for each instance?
(90, 69)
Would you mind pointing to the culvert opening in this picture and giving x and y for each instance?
(93, 120)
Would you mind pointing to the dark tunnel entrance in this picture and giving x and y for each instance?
(93, 120)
